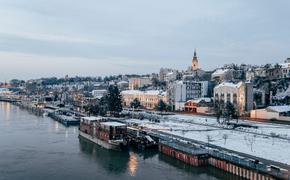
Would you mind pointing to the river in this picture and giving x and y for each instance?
(38, 148)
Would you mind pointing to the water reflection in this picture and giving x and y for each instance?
(6, 107)
(112, 161)
(147, 154)
(56, 126)
(66, 134)
(132, 164)
(48, 150)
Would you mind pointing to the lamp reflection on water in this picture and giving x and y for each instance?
(132, 164)
(56, 126)
(66, 133)
(7, 110)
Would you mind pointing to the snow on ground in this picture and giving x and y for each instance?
(259, 145)
(263, 128)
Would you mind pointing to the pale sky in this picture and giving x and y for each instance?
(41, 38)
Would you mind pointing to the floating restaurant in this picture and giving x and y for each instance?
(108, 134)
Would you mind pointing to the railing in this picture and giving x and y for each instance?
(195, 148)
(190, 149)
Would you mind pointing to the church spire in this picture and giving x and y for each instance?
(194, 65)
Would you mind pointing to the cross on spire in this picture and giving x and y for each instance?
(194, 53)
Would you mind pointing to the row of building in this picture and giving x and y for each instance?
(247, 87)
(196, 90)
(193, 90)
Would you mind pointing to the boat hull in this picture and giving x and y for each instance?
(102, 143)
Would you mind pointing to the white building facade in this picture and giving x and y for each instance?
(240, 95)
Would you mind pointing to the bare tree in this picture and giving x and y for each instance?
(209, 139)
(250, 140)
(183, 132)
(225, 137)
(273, 135)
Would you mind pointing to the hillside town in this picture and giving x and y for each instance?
(235, 118)
(251, 91)
(138, 90)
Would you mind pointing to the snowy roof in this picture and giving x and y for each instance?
(100, 90)
(132, 92)
(164, 93)
(279, 109)
(284, 65)
(200, 99)
(179, 82)
(282, 95)
(136, 121)
(153, 92)
(219, 72)
(99, 97)
(149, 92)
(91, 118)
(112, 123)
(123, 82)
(228, 84)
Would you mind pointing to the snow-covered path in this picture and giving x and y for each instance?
(246, 140)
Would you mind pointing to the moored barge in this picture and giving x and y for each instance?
(108, 134)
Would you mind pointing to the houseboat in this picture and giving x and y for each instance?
(108, 134)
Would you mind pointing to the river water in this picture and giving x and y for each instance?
(38, 148)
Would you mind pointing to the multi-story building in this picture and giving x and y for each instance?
(163, 72)
(195, 89)
(240, 94)
(99, 93)
(148, 99)
(169, 75)
(5, 91)
(272, 72)
(250, 75)
(123, 85)
(139, 82)
(188, 89)
(285, 67)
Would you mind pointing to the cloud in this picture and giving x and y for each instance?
(142, 36)
(49, 37)
(25, 66)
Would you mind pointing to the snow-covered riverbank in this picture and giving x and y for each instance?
(268, 141)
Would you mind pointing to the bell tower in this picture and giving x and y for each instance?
(194, 65)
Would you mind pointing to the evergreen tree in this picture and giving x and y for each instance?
(135, 103)
(114, 100)
(230, 111)
(161, 106)
(103, 106)
(93, 109)
(218, 111)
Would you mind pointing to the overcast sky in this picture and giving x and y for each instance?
(40, 38)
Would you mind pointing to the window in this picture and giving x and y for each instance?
(235, 98)
(222, 98)
(228, 97)
(216, 96)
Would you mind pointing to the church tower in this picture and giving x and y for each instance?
(194, 65)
